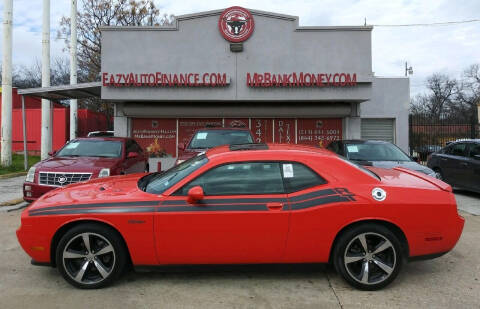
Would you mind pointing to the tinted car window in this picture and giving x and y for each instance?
(239, 178)
(213, 138)
(159, 183)
(298, 177)
(91, 148)
(375, 152)
(457, 149)
(137, 147)
(474, 150)
(333, 146)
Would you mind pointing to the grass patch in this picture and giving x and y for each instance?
(17, 164)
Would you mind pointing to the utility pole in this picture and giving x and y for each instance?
(6, 157)
(408, 70)
(73, 67)
(46, 146)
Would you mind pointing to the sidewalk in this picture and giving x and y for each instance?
(11, 189)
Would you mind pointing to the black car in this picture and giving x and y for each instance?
(377, 154)
(425, 150)
(458, 164)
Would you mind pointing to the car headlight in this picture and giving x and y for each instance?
(30, 175)
(104, 172)
(180, 161)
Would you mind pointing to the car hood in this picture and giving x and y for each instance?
(405, 164)
(75, 164)
(102, 190)
(190, 153)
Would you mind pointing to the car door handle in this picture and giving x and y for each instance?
(275, 206)
(464, 164)
(443, 159)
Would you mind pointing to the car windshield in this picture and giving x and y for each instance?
(212, 138)
(160, 182)
(91, 148)
(375, 152)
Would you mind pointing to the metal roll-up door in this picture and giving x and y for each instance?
(382, 129)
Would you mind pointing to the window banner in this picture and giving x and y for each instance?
(157, 136)
(262, 130)
(284, 129)
(318, 132)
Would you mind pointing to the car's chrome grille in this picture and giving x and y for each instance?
(60, 179)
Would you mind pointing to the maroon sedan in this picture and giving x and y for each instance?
(83, 159)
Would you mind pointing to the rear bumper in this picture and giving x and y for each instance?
(428, 245)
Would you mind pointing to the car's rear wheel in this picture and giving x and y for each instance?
(91, 256)
(368, 256)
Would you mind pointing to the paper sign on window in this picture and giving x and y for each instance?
(287, 170)
(352, 148)
(202, 135)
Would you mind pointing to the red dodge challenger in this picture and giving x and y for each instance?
(245, 204)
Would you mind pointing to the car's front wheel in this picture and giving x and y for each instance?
(368, 256)
(91, 256)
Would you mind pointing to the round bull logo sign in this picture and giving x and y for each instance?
(236, 24)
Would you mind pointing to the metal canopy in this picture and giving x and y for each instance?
(65, 92)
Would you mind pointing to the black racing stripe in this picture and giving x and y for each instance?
(233, 207)
(96, 205)
(226, 201)
(94, 211)
(321, 201)
(312, 195)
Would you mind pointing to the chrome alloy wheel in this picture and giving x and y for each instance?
(88, 258)
(370, 258)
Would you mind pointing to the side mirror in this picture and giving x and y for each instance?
(415, 159)
(181, 146)
(52, 153)
(195, 194)
(132, 155)
(476, 157)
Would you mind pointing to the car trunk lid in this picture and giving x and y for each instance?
(401, 177)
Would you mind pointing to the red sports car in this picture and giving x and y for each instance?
(83, 159)
(245, 204)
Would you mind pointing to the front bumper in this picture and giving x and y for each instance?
(34, 244)
(32, 191)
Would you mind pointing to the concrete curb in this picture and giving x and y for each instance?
(11, 175)
(14, 207)
(12, 202)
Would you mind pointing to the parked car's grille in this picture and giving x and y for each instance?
(60, 179)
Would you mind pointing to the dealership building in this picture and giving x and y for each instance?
(241, 67)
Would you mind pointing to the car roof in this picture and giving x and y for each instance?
(257, 149)
(361, 141)
(222, 128)
(468, 140)
(103, 138)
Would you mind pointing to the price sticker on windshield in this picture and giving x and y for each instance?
(352, 148)
(287, 171)
(202, 135)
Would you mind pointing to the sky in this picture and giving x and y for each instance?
(428, 49)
